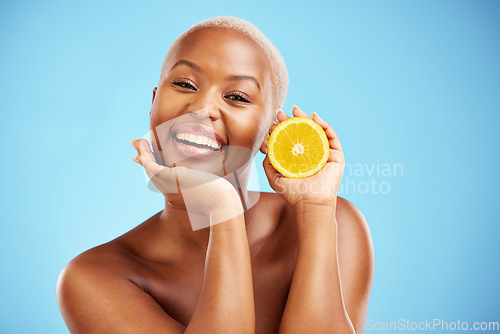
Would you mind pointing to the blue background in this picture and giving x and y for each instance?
(414, 83)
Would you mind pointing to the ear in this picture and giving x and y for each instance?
(263, 146)
(154, 94)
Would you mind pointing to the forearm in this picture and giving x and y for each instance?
(226, 303)
(315, 303)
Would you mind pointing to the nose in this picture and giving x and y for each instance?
(205, 105)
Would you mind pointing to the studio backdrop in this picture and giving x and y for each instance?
(410, 87)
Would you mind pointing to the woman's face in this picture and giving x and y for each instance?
(215, 102)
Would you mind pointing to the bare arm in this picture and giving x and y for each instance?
(226, 302)
(97, 300)
(93, 299)
(329, 292)
(333, 274)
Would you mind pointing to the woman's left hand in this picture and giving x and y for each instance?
(320, 188)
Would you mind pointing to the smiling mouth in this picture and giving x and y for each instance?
(194, 139)
(198, 141)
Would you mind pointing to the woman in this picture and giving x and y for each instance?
(296, 261)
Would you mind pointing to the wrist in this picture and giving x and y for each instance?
(315, 221)
(226, 206)
(307, 206)
(314, 213)
(226, 198)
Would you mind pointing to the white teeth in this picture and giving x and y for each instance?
(201, 140)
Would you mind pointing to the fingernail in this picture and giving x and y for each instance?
(278, 111)
(135, 159)
(295, 107)
(314, 114)
(275, 123)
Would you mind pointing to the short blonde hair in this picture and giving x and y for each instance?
(279, 75)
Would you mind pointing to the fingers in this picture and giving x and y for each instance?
(144, 150)
(282, 116)
(333, 139)
(336, 156)
(269, 169)
(146, 157)
(168, 179)
(273, 126)
(297, 112)
(162, 177)
(135, 144)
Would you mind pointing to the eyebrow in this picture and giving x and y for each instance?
(244, 77)
(195, 67)
(188, 64)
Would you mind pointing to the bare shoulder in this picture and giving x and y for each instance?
(96, 295)
(276, 219)
(354, 237)
(273, 203)
(269, 198)
(356, 260)
(98, 263)
(352, 224)
(351, 221)
(99, 258)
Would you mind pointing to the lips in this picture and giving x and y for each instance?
(196, 139)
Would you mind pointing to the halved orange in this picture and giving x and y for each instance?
(298, 147)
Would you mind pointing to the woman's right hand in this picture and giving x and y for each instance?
(204, 193)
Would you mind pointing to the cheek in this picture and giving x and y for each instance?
(246, 131)
(165, 108)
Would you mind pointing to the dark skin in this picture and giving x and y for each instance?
(256, 272)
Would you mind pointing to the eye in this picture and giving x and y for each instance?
(184, 84)
(238, 97)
